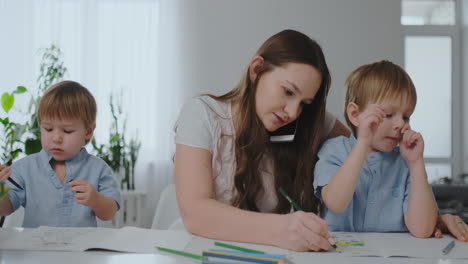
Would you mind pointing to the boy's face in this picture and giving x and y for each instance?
(63, 139)
(389, 133)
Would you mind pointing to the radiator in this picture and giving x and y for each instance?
(131, 210)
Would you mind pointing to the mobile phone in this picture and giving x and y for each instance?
(285, 133)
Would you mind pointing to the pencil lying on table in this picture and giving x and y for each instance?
(219, 244)
(274, 256)
(243, 256)
(182, 253)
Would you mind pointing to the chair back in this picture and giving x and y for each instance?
(167, 210)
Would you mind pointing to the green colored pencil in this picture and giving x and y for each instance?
(238, 248)
(183, 253)
(291, 201)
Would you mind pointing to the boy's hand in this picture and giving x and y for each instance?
(5, 172)
(369, 120)
(85, 193)
(411, 145)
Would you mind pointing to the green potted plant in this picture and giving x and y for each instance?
(119, 153)
(25, 138)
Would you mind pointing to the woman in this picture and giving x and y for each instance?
(227, 171)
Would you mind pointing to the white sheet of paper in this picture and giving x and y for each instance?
(127, 239)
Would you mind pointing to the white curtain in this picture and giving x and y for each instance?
(110, 46)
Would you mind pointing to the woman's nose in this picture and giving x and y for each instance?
(293, 110)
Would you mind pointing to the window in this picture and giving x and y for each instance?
(428, 12)
(432, 59)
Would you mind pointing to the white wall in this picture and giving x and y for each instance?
(218, 38)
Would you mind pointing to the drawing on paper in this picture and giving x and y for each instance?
(347, 240)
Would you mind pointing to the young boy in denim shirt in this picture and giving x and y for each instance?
(375, 180)
(63, 185)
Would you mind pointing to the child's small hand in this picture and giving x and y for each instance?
(5, 172)
(369, 120)
(85, 193)
(411, 145)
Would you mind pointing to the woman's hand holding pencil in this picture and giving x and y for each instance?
(307, 231)
(301, 231)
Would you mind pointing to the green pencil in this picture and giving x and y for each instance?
(291, 201)
(237, 248)
(183, 253)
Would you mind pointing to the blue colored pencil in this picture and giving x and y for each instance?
(241, 257)
(219, 244)
(218, 262)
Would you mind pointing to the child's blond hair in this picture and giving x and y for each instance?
(68, 100)
(376, 82)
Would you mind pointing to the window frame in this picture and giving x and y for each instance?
(454, 32)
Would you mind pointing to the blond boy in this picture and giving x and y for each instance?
(63, 185)
(375, 180)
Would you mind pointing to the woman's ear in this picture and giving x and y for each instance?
(255, 66)
(352, 110)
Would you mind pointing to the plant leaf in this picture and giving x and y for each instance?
(7, 101)
(20, 90)
(5, 121)
(32, 146)
(114, 138)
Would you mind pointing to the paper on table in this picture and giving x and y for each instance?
(127, 239)
(400, 245)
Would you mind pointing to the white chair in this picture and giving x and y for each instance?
(15, 219)
(167, 211)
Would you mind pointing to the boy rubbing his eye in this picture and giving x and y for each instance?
(375, 180)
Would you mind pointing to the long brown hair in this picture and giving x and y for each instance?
(293, 162)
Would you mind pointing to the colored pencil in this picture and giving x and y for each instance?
(14, 183)
(276, 256)
(290, 200)
(241, 257)
(237, 248)
(218, 262)
(448, 248)
(182, 253)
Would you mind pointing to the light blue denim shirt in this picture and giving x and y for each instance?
(381, 196)
(48, 202)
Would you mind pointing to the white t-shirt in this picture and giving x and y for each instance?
(207, 123)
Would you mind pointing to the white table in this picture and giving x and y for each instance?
(192, 244)
(54, 257)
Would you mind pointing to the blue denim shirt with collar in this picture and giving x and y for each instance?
(48, 202)
(381, 196)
